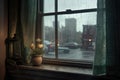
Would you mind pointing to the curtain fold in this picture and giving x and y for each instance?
(113, 37)
(28, 23)
(99, 64)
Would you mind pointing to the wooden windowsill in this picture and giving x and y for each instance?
(59, 68)
(52, 72)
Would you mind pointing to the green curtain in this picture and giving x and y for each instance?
(28, 23)
(99, 64)
(113, 37)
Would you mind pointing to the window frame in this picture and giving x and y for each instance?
(56, 61)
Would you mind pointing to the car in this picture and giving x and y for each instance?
(72, 45)
(45, 48)
(51, 47)
(63, 49)
(60, 49)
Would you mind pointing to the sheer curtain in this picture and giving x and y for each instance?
(28, 23)
(99, 65)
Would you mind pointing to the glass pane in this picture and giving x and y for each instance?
(49, 36)
(49, 6)
(76, 35)
(76, 4)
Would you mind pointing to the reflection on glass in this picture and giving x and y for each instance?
(76, 4)
(49, 37)
(76, 35)
(49, 6)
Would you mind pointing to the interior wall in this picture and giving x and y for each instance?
(3, 35)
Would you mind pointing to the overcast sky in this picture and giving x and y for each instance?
(82, 18)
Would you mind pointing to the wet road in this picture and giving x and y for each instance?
(74, 54)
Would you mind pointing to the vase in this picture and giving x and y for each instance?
(36, 60)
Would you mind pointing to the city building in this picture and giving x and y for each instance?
(89, 37)
(70, 29)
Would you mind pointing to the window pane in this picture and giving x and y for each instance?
(76, 4)
(49, 6)
(49, 36)
(76, 35)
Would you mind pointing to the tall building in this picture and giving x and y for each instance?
(70, 24)
(70, 28)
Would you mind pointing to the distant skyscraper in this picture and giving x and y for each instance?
(70, 28)
(58, 25)
(70, 24)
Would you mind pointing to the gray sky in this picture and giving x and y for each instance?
(82, 18)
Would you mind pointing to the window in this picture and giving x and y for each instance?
(73, 32)
(69, 29)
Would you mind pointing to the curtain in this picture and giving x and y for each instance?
(113, 37)
(107, 60)
(99, 64)
(28, 23)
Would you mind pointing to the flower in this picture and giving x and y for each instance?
(38, 48)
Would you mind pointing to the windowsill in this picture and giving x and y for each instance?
(59, 68)
(52, 72)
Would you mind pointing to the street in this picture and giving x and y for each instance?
(74, 54)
